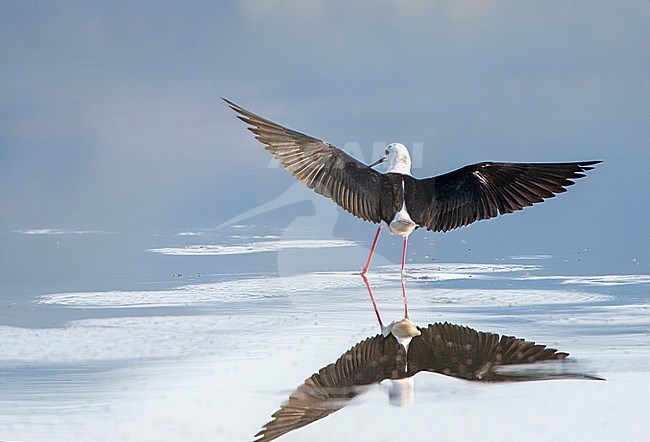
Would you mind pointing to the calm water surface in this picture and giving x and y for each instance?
(211, 355)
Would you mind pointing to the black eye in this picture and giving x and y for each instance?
(386, 151)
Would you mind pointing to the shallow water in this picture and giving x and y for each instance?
(213, 355)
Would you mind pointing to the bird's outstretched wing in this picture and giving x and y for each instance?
(369, 362)
(320, 166)
(485, 190)
(465, 353)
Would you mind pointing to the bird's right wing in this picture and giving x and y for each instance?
(320, 166)
(369, 362)
(463, 352)
(485, 190)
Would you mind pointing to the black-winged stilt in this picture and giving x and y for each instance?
(400, 201)
(405, 350)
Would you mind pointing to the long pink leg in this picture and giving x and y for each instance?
(372, 250)
(403, 273)
(372, 298)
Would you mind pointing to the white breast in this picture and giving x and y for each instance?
(402, 224)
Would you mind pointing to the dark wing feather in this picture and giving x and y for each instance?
(371, 361)
(485, 190)
(463, 352)
(320, 166)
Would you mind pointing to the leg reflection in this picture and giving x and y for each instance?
(404, 298)
(372, 299)
(374, 303)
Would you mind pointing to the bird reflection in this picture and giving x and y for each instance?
(403, 350)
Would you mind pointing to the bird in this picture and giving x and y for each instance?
(402, 351)
(397, 200)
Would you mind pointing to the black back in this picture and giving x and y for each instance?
(392, 195)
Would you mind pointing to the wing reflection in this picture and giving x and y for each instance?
(448, 349)
(367, 363)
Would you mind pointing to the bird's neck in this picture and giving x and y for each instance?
(400, 164)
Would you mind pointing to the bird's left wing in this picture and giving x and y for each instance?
(320, 166)
(329, 390)
(485, 190)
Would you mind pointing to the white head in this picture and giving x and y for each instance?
(398, 159)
